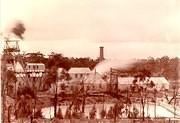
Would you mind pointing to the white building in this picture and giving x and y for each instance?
(160, 83)
(18, 67)
(78, 73)
(35, 67)
(35, 73)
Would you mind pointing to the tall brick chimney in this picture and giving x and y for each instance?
(101, 53)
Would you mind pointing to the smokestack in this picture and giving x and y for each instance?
(101, 55)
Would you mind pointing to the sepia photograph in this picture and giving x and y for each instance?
(90, 61)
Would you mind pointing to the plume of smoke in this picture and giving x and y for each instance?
(105, 65)
(19, 29)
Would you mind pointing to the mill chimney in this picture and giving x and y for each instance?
(101, 55)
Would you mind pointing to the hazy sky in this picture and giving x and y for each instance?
(126, 28)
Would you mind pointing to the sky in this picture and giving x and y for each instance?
(76, 28)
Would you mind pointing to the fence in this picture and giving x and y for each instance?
(97, 121)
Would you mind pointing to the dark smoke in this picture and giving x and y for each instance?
(19, 29)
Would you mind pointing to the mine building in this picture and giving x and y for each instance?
(78, 73)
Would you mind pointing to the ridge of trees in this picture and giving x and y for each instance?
(58, 60)
(164, 66)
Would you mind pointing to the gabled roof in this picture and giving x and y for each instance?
(18, 67)
(159, 80)
(81, 70)
(156, 80)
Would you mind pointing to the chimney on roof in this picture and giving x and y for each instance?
(101, 53)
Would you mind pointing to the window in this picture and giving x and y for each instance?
(100, 86)
(76, 75)
(81, 75)
(93, 87)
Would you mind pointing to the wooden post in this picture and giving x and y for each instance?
(83, 103)
(155, 103)
(34, 97)
(174, 101)
(9, 114)
(110, 85)
(127, 101)
(55, 100)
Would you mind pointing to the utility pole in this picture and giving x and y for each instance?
(110, 84)
(84, 93)
(84, 96)
(174, 101)
(143, 100)
(115, 113)
(55, 98)
(155, 103)
(127, 101)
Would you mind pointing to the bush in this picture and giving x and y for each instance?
(92, 113)
(59, 114)
(103, 114)
(38, 114)
(68, 114)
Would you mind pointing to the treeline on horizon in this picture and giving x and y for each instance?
(164, 66)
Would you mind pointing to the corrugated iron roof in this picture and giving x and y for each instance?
(159, 80)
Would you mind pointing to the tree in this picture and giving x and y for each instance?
(117, 110)
(59, 114)
(110, 113)
(57, 59)
(92, 113)
(142, 89)
(50, 77)
(24, 106)
(175, 94)
(38, 114)
(68, 113)
(25, 102)
(10, 79)
(37, 57)
(135, 112)
(103, 113)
